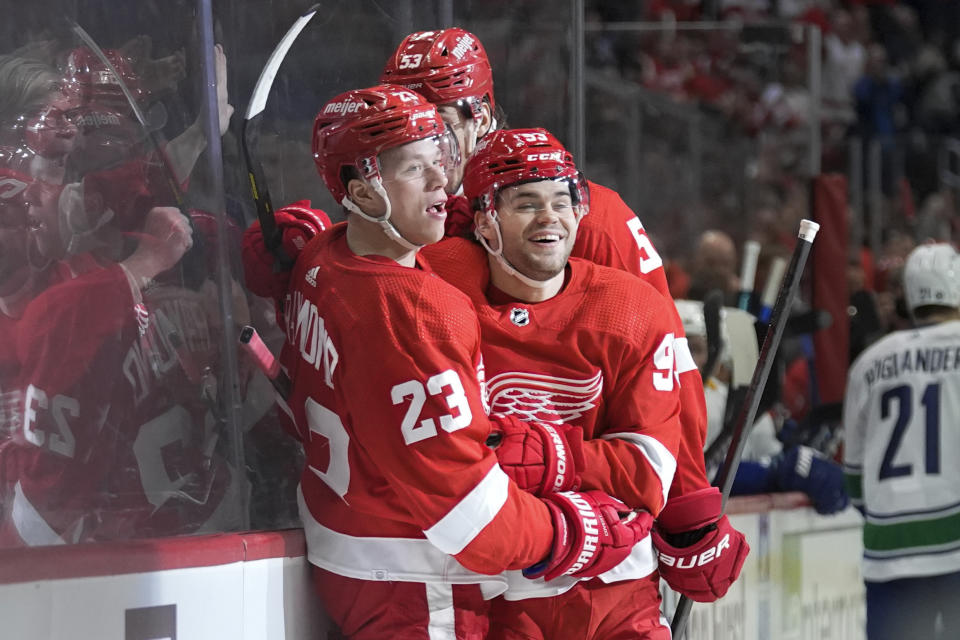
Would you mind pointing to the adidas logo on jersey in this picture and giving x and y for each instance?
(311, 276)
(520, 316)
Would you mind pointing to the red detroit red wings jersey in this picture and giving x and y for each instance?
(612, 235)
(598, 355)
(108, 445)
(398, 484)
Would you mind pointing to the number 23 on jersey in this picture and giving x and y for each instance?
(414, 427)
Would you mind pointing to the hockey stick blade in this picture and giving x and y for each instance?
(250, 139)
(771, 342)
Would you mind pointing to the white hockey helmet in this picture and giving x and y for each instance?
(932, 276)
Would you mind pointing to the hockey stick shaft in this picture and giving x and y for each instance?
(265, 360)
(751, 402)
(250, 139)
(748, 272)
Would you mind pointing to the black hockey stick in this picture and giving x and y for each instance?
(748, 412)
(250, 138)
(712, 304)
(253, 344)
(173, 181)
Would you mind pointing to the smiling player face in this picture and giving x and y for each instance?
(538, 224)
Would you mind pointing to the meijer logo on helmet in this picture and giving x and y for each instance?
(463, 45)
(343, 108)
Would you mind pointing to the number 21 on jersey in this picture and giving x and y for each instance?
(899, 404)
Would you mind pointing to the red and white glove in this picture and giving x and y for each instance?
(701, 554)
(592, 533)
(540, 457)
(298, 224)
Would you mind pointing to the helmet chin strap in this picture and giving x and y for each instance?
(384, 221)
(498, 255)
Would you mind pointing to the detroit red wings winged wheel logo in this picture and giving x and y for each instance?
(532, 396)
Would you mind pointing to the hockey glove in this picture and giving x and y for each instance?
(701, 554)
(801, 468)
(540, 457)
(592, 533)
(298, 224)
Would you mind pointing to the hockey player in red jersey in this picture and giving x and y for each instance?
(567, 341)
(450, 68)
(407, 514)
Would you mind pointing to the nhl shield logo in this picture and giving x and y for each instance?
(519, 316)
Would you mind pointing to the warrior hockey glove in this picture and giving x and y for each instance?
(541, 458)
(592, 533)
(701, 554)
(802, 468)
(298, 223)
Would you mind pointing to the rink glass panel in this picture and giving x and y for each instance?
(126, 410)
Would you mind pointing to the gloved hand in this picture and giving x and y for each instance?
(593, 533)
(540, 457)
(802, 468)
(298, 224)
(701, 554)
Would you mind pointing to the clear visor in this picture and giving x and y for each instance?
(422, 159)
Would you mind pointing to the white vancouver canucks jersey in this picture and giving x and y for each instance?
(901, 419)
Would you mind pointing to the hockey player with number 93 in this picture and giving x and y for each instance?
(902, 443)
(408, 516)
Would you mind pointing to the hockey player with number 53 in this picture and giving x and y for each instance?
(450, 68)
(901, 445)
(407, 514)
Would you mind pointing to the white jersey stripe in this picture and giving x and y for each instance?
(684, 358)
(468, 518)
(659, 457)
(442, 624)
(394, 559)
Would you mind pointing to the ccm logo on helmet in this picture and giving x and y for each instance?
(555, 155)
(463, 45)
(10, 187)
(707, 556)
(343, 108)
(592, 537)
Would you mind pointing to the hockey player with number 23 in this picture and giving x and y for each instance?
(408, 517)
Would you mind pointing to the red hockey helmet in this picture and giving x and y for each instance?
(513, 156)
(446, 67)
(93, 82)
(353, 128)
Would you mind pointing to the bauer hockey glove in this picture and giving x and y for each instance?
(592, 533)
(540, 457)
(298, 224)
(701, 554)
(802, 468)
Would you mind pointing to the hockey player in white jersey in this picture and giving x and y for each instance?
(901, 416)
